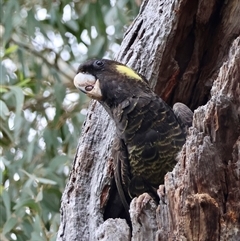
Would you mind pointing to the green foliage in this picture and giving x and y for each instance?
(42, 43)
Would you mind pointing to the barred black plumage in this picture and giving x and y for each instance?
(148, 133)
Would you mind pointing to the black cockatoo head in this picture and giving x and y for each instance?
(108, 81)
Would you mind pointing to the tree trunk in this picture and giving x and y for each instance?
(190, 52)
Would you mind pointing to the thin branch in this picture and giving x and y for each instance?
(38, 54)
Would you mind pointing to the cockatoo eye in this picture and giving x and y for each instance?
(98, 64)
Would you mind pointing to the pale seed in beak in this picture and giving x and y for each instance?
(89, 88)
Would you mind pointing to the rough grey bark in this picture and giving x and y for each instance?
(190, 52)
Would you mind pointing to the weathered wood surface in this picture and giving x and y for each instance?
(190, 52)
(202, 194)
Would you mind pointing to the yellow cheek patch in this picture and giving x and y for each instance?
(128, 72)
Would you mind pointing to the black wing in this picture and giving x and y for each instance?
(184, 114)
(121, 170)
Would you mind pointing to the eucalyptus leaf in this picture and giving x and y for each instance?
(60, 92)
(30, 150)
(10, 224)
(73, 25)
(31, 23)
(7, 20)
(39, 196)
(7, 203)
(45, 181)
(57, 161)
(96, 46)
(17, 91)
(4, 111)
(26, 203)
(10, 50)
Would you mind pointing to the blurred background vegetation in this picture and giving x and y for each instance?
(41, 113)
